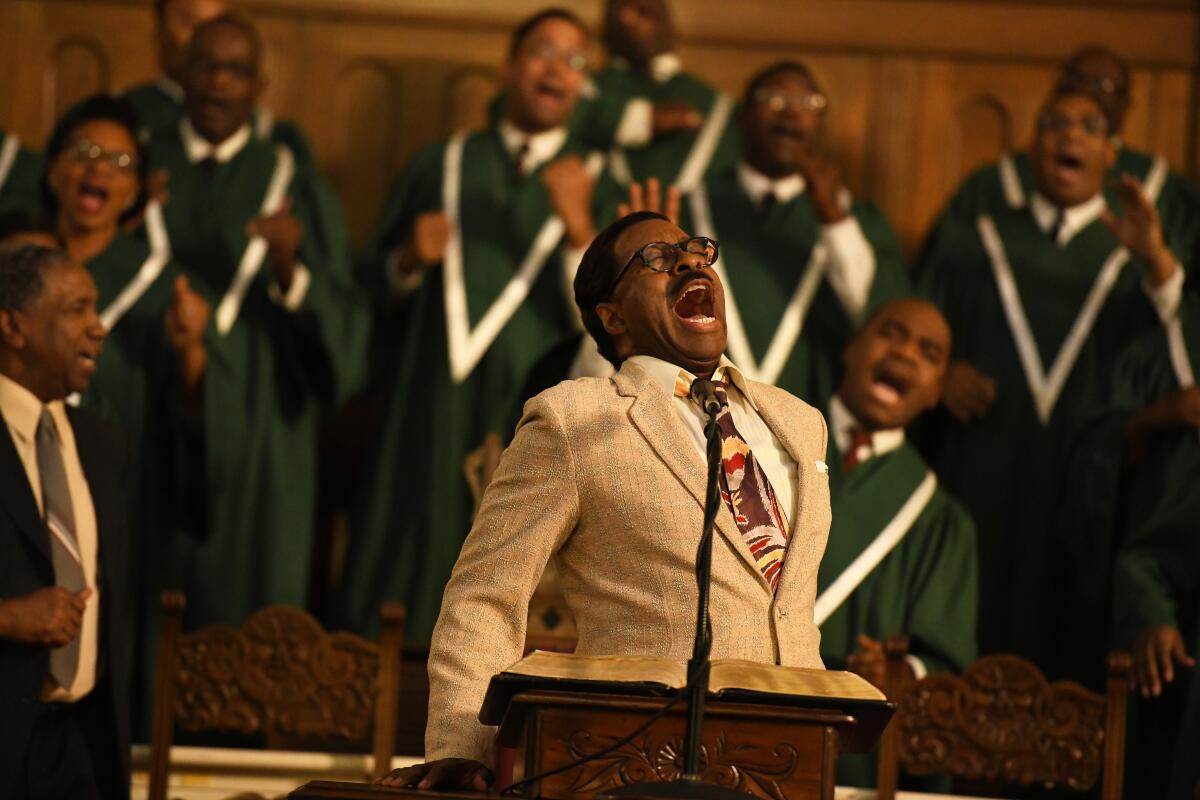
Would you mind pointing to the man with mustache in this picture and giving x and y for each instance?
(470, 267)
(63, 541)
(1040, 300)
(160, 102)
(803, 263)
(901, 557)
(606, 478)
(661, 121)
(1010, 181)
(262, 239)
(20, 175)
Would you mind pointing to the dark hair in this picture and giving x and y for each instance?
(775, 68)
(528, 25)
(234, 20)
(594, 279)
(15, 223)
(22, 274)
(1069, 69)
(97, 107)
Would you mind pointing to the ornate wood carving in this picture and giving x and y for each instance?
(747, 766)
(280, 676)
(1002, 721)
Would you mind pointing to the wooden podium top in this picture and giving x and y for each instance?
(336, 790)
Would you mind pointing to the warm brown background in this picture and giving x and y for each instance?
(921, 90)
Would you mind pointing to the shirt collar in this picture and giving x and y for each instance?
(843, 423)
(662, 68)
(1075, 218)
(756, 185)
(198, 148)
(170, 88)
(665, 374)
(22, 409)
(543, 146)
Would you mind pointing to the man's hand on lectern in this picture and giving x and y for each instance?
(445, 773)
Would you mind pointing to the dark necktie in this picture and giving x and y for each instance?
(207, 196)
(1056, 229)
(64, 547)
(520, 157)
(747, 492)
(768, 203)
(859, 450)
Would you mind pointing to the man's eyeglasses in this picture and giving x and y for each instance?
(542, 51)
(1052, 122)
(87, 152)
(803, 101)
(663, 256)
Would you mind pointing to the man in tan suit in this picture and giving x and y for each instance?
(606, 477)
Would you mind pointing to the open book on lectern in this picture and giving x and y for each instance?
(729, 679)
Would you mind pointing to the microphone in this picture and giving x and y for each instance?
(704, 392)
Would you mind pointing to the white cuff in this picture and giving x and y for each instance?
(636, 128)
(852, 264)
(402, 283)
(301, 280)
(1166, 298)
(917, 666)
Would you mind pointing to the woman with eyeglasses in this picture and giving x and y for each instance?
(150, 371)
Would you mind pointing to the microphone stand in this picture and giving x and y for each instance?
(691, 785)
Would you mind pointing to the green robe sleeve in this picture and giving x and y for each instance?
(21, 190)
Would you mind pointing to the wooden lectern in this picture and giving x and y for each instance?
(771, 746)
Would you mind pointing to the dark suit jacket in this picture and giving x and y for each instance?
(25, 566)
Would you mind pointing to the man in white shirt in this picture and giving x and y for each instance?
(606, 478)
(62, 542)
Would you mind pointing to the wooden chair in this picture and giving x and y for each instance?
(279, 677)
(1001, 722)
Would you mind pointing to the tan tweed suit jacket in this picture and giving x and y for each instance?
(603, 477)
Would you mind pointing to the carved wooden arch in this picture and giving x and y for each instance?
(280, 676)
(1002, 722)
(79, 66)
(984, 131)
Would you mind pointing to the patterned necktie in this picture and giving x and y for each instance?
(747, 492)
(64, 548)
(858, 451)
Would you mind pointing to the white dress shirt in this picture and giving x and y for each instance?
(851, 258)
(1165, 298)
(198, 149)
(780, 467)
(842, 425)
(22, 410)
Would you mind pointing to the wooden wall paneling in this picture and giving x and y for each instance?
(365, 116)
(78, 68)
(891, 142)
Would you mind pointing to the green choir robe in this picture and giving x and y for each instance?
(20, 176)
(135, 389)
(924, 588)
(764, 258)
(1157, 574)
(1009, 183)
(159, 104)
(1009, 467)
(596, 121)
(415, 507)
(268, 378)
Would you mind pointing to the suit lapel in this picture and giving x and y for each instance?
(658, 423)
(17, 496)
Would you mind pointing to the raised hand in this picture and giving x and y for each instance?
(823, 180)
(187, 317)
(570, 186)
(426, 247)
(48, 617)
(1140, 230)
(673, 116)
(445, 773)
(651, 198)
(1159, 648)
(283, 233)
(968, 393)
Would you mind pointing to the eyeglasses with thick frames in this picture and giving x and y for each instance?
(663, 256)
(803, 101)
(1054, 122)
(88, 152)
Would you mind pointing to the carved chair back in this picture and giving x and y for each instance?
(1001, 722)
(279, 677)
